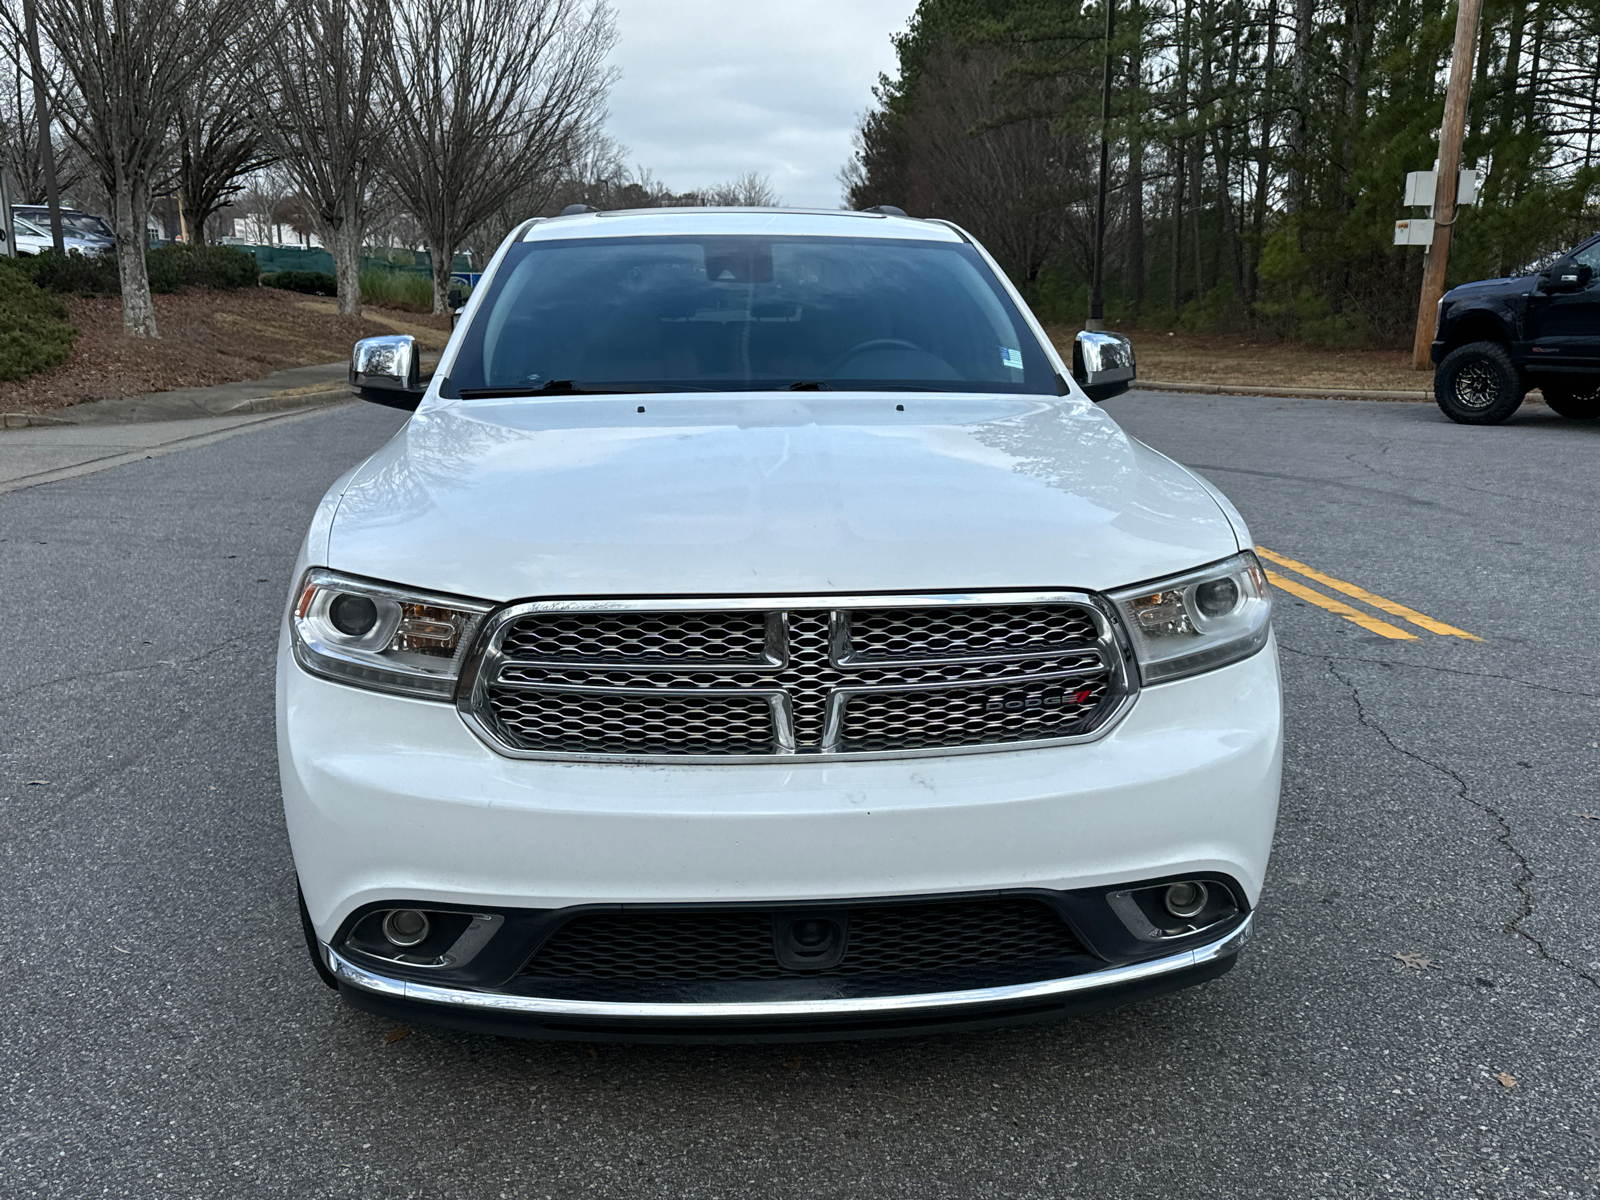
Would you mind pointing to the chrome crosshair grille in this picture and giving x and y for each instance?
(738, 679)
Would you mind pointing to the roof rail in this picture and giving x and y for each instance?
(887, 210)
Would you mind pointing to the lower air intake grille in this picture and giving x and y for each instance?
(947, 944)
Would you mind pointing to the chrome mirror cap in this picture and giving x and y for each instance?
(1103, 364)
(386, 364)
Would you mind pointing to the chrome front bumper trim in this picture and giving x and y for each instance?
(888, 1006)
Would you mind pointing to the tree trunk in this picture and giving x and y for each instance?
(1258, 218)
(1300, 80)
(1510, 73)
(1176, 152)
(1136, 166)
(344, 243)
(442, 258)
(132, 207)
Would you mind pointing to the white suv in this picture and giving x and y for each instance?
(755, 633)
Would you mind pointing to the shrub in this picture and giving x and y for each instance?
(76, 272)
(36, 332)
(411, 290)
(310, 283)
(169, 267)
(222, 267)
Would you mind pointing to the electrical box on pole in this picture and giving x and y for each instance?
(1421, 186)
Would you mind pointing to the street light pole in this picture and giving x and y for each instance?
(1097, 294)
(1444, 193)
(41, 114)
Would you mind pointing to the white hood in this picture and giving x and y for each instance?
(743, 493)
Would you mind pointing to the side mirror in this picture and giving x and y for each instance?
(385, 370)
(1103, 364)
(1566, 277)
(455, 316)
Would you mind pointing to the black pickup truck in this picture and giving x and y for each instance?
(1498, 338)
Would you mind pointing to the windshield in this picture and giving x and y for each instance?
(746, 312)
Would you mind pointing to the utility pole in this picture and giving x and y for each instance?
(1097, 294)
(41, 113)
(1437, 259)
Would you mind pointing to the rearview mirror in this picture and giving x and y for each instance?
(385, 370)
(1103, 364)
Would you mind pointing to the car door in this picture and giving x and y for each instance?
(1566, 322)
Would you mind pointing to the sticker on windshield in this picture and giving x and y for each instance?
(1011, 358)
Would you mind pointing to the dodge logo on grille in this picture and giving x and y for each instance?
(1046, 697)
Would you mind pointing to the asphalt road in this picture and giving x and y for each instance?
(162, 1035)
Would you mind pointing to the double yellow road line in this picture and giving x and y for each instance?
(1349, 612)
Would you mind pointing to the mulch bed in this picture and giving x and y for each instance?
(1223, 358)
(207, 337)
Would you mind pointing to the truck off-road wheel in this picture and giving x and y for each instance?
(1569, 401)
(1478, 384)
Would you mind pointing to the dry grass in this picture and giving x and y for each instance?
(1230, 359)
(206, 337)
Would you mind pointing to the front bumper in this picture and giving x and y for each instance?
(393, 801)
(793, 1020)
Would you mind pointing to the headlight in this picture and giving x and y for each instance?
(386, 638)
(1199, 621)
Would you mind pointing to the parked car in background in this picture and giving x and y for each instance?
(80, 231)
(756, 632)
(1499, 338)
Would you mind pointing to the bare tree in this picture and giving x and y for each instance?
(267, 189)
(127, 64)
(488, 95)
(594, 176)
(326, 119)
(21, 148)
(220, 135)
(750, 190)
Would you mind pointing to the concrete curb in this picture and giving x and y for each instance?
(297, 387)
(1244, 389)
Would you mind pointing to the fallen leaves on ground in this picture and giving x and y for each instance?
(1415, 960)
(1583, 816)
(1212, 358)
(1507, 1081)
(206, 337)
(394, 1035)
(793, 1063)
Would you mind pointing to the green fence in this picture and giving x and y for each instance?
(295, 258)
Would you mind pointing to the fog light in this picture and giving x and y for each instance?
(1185, 900)
(406, 927)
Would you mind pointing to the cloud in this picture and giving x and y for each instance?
(711, 89)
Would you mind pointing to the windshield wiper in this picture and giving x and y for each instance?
(554, 387)
(808, 385)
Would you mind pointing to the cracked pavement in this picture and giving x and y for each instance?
(162, 1035)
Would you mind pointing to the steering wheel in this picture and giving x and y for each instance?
(872, 344)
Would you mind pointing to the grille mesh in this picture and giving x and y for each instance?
(639, 636)
(968, 716)
(715, 723)
(884, 940)
(899, 633)
(1050, 680)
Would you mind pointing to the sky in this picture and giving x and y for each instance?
(711, 89)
